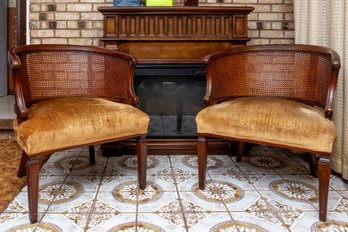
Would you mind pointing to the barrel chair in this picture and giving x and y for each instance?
(278, 95)
(70, 96)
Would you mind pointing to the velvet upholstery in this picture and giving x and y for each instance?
(68, 122)
(270, 120)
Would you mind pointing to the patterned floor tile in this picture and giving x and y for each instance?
(263, 183)
(189, 184)
(309, 222)
(127, 164)
(64, 202)
(63, 222)
(293, 168)
(269, 191)
(240, 184)
(189, 163)
(22, 224)
(274, 212)
(338, 184)
(22, 199)
(335, 200)
(296, 204)
(153, 205)
(249, 222)
(215, 204)
(247, 199)
(257, 169)
(209, 223)
(88, 184)
(120, 222)
(48, 179)
(153, 222)
(73, 163)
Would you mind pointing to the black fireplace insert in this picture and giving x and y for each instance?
(172, 94)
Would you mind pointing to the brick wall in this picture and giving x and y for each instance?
(79, 22)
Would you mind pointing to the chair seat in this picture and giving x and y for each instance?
(68, 122)
(270, 120)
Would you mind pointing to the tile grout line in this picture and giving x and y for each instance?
(178, 193)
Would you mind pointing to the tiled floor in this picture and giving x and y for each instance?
(269, 191)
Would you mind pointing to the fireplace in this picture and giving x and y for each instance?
(169, 44)
(172, 95)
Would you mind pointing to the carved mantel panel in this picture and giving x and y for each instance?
(173, 34)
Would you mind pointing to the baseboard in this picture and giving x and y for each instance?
(6, 124)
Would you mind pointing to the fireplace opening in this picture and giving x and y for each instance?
(172, 95)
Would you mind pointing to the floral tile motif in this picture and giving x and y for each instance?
(140, 226)
(80, 214)
(342, 205)
(37, 227)
(130, 193)
(244, 175)
(193, 213)
(76, 162)
(192, 162)
(266, 161)
(15, 207)
(131, 162)
(14, 210)
(236, 227)
(165, 174)
(57, 193)
(173, 213)
(295, 190)
(182, 175)
(330, 226)
(217, 191)
(278, 214)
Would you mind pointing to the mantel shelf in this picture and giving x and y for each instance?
(173, 34)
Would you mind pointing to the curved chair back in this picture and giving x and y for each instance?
(300, 72)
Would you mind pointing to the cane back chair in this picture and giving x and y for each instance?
(70, 96)
(279, 95)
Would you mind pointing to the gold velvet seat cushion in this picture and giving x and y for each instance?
(68, 122)
(269, 120)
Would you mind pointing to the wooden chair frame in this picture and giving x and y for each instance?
(29, 164)
(213, 97)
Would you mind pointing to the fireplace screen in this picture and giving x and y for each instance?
(172, 95)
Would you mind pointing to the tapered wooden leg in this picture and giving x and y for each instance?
(202, 160)
(313, 163)
(142, 160)
(33, 169)
(324, 178)
(91, 155)
(240, 152)
(22, 167)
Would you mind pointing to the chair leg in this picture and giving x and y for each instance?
(91, 155)
(240, 151)
(22, 167)
(33, 169)
(324, 179)
(313, 164)
(142, 160)
(202, 160)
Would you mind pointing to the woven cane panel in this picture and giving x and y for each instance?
(53, 74)
(301, 75)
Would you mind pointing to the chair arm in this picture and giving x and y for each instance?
(329, 107)
(20, 107)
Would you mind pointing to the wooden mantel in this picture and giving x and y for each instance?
(160, 35)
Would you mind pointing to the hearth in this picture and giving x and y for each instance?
(172, 95)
